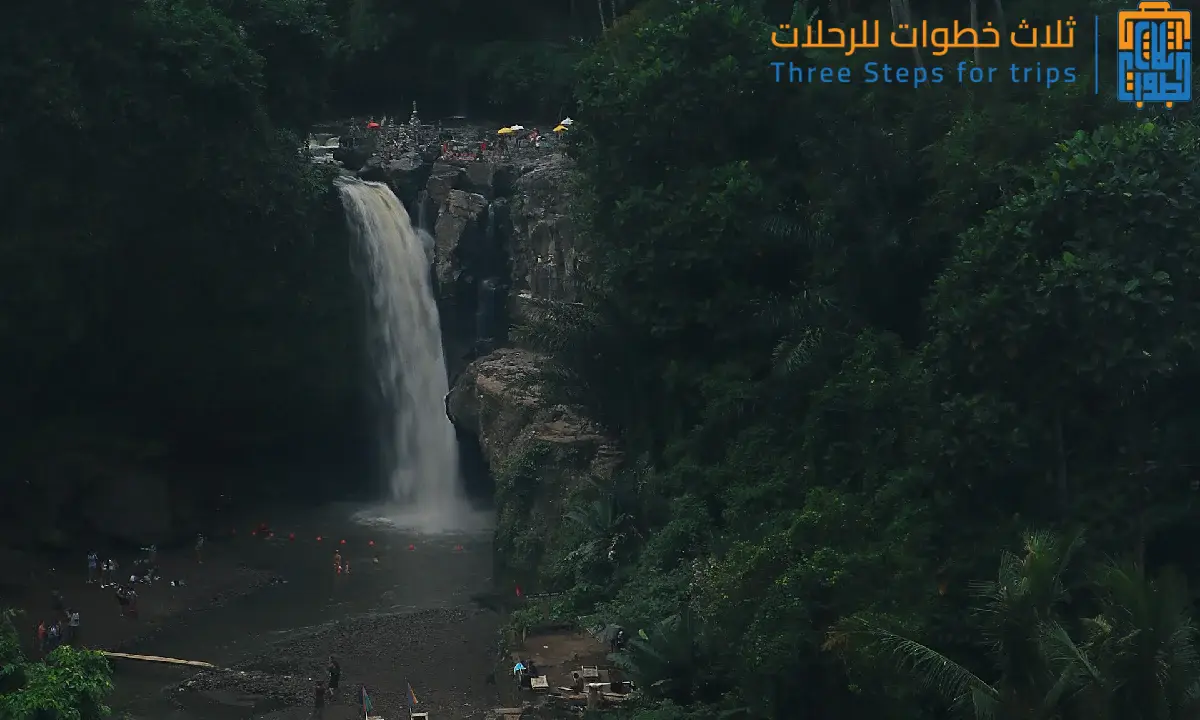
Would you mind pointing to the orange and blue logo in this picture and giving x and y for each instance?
(1154, 54)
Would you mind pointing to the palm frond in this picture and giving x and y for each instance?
(933, 670)
(796, 352)
(793, 224)
(1075, 670)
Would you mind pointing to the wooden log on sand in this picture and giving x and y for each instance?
(157, 659)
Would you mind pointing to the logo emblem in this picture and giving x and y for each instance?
(1154, 54)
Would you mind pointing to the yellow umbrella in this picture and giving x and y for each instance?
(505, 131)
(560, 128)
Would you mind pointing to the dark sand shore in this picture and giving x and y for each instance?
(274, 610)
(219, 579)
(446, 654)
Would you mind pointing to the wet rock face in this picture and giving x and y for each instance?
(352, 157)
(545, 254)
(501, 399)
(443, 177)
(471, 270)
(479, 178)
(373, 170)
(459, 234)
(524, 243)
(407, 176)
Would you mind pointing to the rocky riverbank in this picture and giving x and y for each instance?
(447, 655)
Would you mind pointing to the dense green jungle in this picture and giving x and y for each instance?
(907, 379)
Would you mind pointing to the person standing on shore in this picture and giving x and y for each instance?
(53, 636)
(337, 562)
(122, 598)
(200, 549)
(93, 567)
(73, 627)
(319, 700)
(335, 676)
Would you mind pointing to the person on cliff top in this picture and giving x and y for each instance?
(93, 567)
(41, 637)
(200, 549)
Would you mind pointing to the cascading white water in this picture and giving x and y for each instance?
(425, 478)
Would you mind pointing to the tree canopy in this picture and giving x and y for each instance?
(858, 339)
(866, 345)
(68, 684)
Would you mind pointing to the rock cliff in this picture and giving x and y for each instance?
(541, 452)
(545, 256)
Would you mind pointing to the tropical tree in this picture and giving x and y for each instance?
(669, 661)
(70, 684)
(1020, 628)
(1136, 658)
(601, 524)
(1139, 660)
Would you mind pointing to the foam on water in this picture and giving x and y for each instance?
(398, 517)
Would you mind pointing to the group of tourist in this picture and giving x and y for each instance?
(50, 635)
(512, 137)
(340, 565)
(53, 632)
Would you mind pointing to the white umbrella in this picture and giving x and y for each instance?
(567, 122)
(516, 127)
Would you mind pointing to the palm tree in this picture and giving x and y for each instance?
(1140, 653)
(1137, 659)
(1021, 631)
(601, 524)
(666, 662)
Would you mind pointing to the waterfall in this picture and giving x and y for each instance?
(425, 482)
